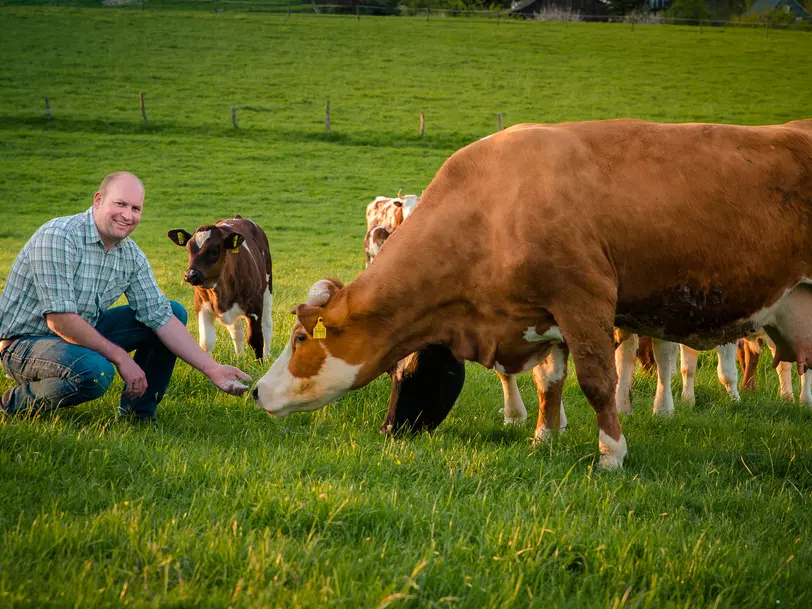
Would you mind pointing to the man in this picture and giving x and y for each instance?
(60, 339)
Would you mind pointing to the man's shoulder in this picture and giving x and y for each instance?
(69, 227)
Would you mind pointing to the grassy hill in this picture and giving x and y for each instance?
(222, 506)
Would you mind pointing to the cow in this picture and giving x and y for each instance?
(748, 350)
(562, 232)
(231, 270)
(384, 216)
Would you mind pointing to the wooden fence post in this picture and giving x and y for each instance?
(47, 109)
(422, 124)
(327, 116)
(499, 120)
(143, 108)
(234, 116)
(498, 17)
(358, 12)
(215, 7)
(427, 14)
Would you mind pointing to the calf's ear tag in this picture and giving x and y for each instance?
(234, 240)
(319, 331)
(181, 238)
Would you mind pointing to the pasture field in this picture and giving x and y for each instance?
(221, 506)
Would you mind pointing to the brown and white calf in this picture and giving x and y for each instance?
(230, 268)
(564, 231)
(384, 216)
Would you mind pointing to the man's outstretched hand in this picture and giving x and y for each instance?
(230, 379)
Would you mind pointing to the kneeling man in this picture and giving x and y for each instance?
(61, 341)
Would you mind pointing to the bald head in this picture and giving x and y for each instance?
(120, 177)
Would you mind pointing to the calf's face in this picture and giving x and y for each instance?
(207, 248)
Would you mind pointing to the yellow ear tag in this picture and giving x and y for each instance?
(181, 238)
(319, 331)
(234, 245)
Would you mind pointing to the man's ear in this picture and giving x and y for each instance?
(97, 199)
(233, 240)
(178, 236)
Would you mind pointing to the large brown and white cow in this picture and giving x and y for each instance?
(562, 232)
(231, 270)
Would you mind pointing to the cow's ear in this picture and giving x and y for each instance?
(233, 240)
(308, 316)
(178, 236)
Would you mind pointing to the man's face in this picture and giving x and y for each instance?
(118, 211)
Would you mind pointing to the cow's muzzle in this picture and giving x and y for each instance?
(194, 277)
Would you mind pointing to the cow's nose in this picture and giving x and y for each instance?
(255, 393)
(194, 277)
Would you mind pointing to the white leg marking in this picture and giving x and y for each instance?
(612, 451)
(726, 369)
(543, 434)
(688, 357)
(237, 331)
(784, 371)
(665, 354)
(267, 322)
(806, 388)
(514, 410)
(625, 355)
(205, 327)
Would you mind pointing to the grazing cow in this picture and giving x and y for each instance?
(562, 232)
(384, 215)
(231, 271)
(748, 351)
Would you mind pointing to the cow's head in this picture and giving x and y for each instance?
(208, 249)
(323, 359)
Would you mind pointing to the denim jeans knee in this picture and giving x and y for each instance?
(93, 374)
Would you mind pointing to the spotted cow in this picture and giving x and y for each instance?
(231, 271)
(384, 216)
(562, 232)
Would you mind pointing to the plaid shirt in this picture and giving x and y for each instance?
(64, 268)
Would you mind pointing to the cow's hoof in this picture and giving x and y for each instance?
(612, 451)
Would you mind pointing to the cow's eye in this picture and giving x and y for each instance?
(300, 338)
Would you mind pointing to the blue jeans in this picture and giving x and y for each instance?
(52, 373)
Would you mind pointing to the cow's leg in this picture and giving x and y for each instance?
(726, 369)
(205, 327)
(806, 388)
(549, 377)
(256, 336)
(688, 359)
(625, 356)
(748, 351)
(514, 410)
(587, 329)
(784, 371)
(665, 354)
(237, 331)
(267, 323)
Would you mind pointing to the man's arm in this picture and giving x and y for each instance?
(177, 339)
(72, 328)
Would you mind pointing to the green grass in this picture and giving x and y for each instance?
(221, 505)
